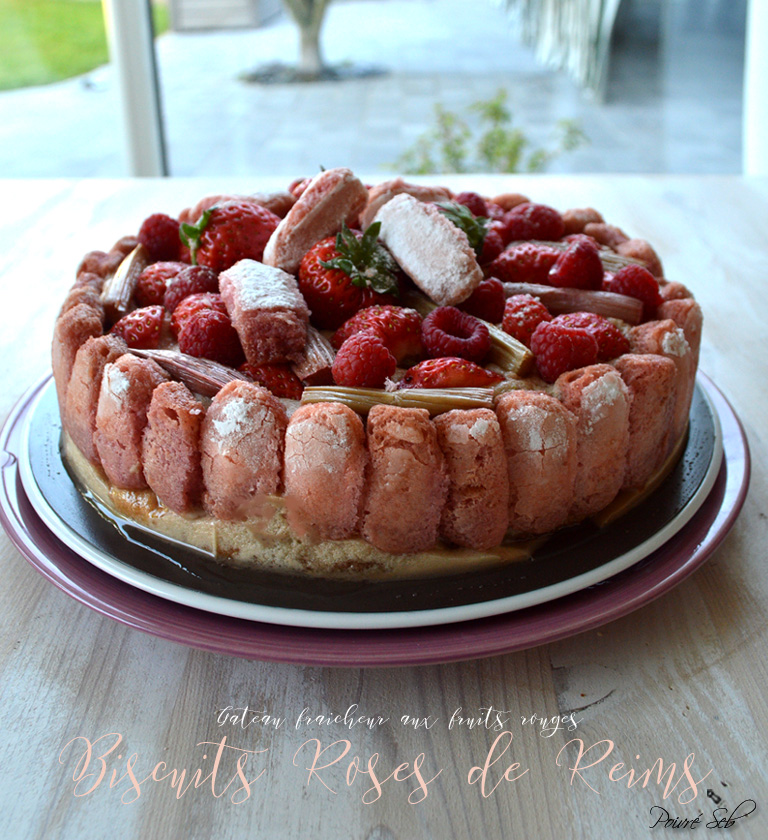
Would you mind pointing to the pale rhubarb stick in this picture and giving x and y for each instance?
(118, 289)
(610, 259)
(559, 300)
(200, 375)
(314, 365)
(434, 400)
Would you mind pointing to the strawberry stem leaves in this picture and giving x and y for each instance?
(365, 261)
(190, 234)
(475, 227)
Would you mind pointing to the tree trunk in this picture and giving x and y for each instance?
(309, 15)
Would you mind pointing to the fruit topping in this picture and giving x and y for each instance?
(532, 221)
(558, 348)
(474, 202)
(637, 282)
(524, 263)
(153, 282)
(578, 267)
(607, 304)
(434, 400)
(230, 232)
(448, 331)
(159, 234)
(493, 244)
(611, 342)
(141, 328)
(448, 372)
(399, 328)
(200, 375)
(119, 289)
(209, 334)
(193, 304)
(487, 301)
(192, 280)
(314, 365)
(279, 379)
(363, 361)
(522, 314)
(473, 226)
(340, 275)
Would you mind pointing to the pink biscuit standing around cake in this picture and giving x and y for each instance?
(540, 442)
(600, 400)
(687, 314)
(651, 382)
(171, 447)
(84, 387)
(324, 472)
(73, 328)
(379, 195)
(267, 310)
(407, 481)
(475, 514)
(124, 398)
(242, 445)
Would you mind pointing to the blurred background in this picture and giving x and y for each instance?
(282, 87)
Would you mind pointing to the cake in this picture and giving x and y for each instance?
(343, 379)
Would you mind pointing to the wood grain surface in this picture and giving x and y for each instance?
(684, 676)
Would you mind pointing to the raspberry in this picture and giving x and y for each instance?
(279, 379)
(522, 314)
(578, 267)
(448, 331)
(611, 342)
(159, 234)
(494, 211)
(487, 301)
(363, 361)
(193, 280)
(524, 263)
(153, 281)
(558, 349)
(209, 334)
(473, 202)
(141, 328)
(191, 305)
(533, 221)
(637, 282)
(493, 244)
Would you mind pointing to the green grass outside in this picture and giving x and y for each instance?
(43, 41)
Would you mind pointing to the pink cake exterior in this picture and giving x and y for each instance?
(686, 313)
(325, 462)
(407, 481)
(242, 444)
(539, 436)
(121, 415)
(475, 514)
(73, 328)
(171, 447)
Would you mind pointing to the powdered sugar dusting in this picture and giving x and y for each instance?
(117, 382)
(479, 429)
(237, 416)
(674, 343)
(262, 287)
(535, 429)
(598, 398)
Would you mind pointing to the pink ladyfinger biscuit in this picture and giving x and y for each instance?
(407, 481)
(333, 197)
(171, 447)
(687, 314)
(73, 328)
(475, 514)
(278, 203)
(667, 339)
(84, 387)
(600, 400)
(267, 310)
(242, 444)
(540, 443)
(121, 416)
(651, 382)
(324, 470)
(379, 195)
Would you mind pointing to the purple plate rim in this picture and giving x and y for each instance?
(647, 580)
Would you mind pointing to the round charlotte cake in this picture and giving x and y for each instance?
(372, 381)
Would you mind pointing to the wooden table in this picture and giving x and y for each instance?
(684, 675)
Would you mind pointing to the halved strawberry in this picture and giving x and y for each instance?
(448, 372)
(141, 328)
(279, 379)
(399, 328)
(340, 275)
(524, 263)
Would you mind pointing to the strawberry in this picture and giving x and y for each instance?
(448, 372)
(637, 282)
(228, 232)
(159, 234)
(487, 301)
(611, 342)
(448, 331)
(191, 280)
(279, 379)
(522, 314)
(532, 221)
(578, 267)
(340, 275)
(153, 281)
(558, 348)
(474, 202)
(141, 328)
(493, 244)
(191, 305)
(398, 328)
(523, 263)
(209, 334)
(363, 361)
